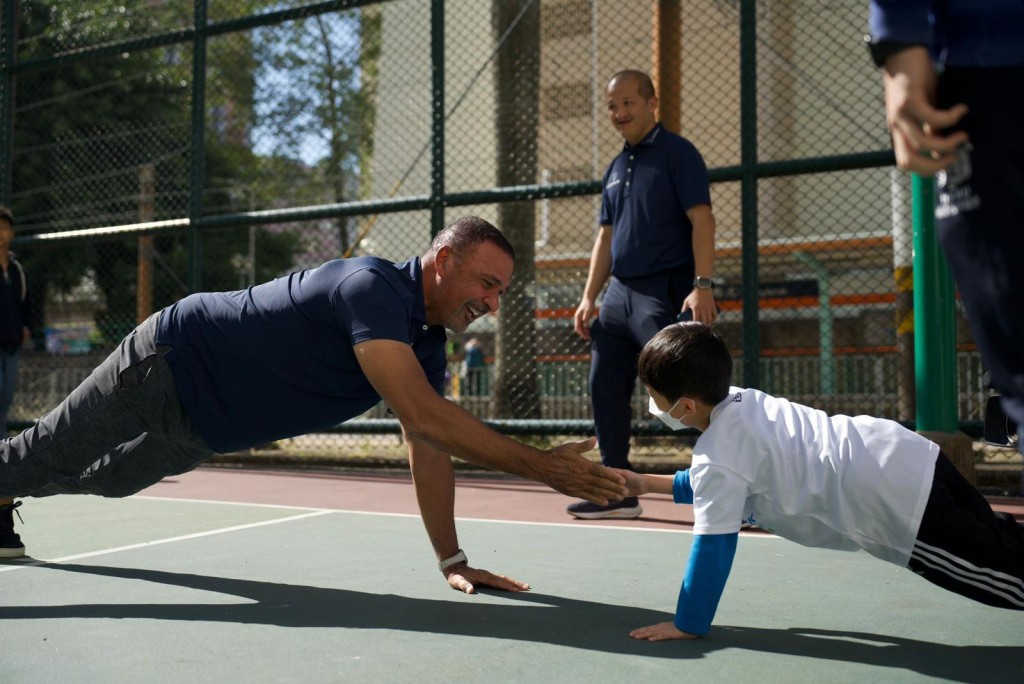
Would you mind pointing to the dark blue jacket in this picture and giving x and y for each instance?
(15, 307)
(958, 33)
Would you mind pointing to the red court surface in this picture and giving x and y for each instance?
(483, 497)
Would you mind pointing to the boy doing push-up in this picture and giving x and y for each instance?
(826, 481)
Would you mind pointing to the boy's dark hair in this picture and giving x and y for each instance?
(687, 360)
(6, 214)
(463, 234)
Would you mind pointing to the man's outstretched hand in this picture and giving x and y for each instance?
(565, 470)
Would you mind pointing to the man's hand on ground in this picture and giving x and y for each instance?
(466, 579)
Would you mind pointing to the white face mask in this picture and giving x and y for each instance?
(673, 422)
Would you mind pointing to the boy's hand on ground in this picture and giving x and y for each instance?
(662, 631)
(466, 579)
(635, 482)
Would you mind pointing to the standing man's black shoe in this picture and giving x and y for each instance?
(627, 508)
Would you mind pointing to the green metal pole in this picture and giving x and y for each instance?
(826, 324)
(437, 117)
(198, 166)
(748, 194)
(10, 43)
(934, 319)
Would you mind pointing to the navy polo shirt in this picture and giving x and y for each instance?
(647, 191)
(276, 360)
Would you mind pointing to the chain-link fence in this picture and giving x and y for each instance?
(154, 147)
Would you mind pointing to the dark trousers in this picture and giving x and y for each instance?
(121, 430)
(632, 312)
(980, 221)
(966, 547)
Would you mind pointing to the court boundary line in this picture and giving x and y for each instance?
(281, 506)
(183, 499)
(572, 525)
(182, 537)
(311, 512)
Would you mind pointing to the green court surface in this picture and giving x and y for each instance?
(175, 590)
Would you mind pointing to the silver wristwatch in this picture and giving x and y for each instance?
(702, 283)
(459, 557)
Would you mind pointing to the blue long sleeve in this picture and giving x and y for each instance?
(682, 492)
(706, 573)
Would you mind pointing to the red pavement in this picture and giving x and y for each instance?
(477, 496)
(484, 497)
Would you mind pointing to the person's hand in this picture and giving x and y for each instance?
(581, 320)
(566, 471)
(662, 631)
(916, 125)
(702, 303)
(466, 579)
(635, 482)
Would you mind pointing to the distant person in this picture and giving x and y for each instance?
(655, 249)
(452, 352)
(222, 372)
(830, 482)
(954, 93)
(474, 369)
(15, 321)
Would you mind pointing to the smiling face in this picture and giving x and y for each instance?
(632, 114)
(469, 285)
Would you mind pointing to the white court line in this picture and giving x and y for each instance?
(575, 526)
(314, 512)
(233, 503)
(579, 526)
(281, 506)
(409, 515)
(184, 537)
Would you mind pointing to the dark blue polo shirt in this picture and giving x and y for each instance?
(276, 360)
(647, 192)
(958, 33)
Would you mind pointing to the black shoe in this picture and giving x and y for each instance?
(10, 542)
(627, 508)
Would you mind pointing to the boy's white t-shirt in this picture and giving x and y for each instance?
(836, 482)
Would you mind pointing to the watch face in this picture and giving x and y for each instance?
(702, 283)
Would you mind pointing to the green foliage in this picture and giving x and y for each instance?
(83, 133)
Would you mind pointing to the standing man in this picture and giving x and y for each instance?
(222, 372)
(15, 319)
(954, 92)
(655, 248)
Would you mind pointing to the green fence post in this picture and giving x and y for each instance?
(935, 335)
(935, 341)
(748, 194)
(197, 172)
(10, 19)
(437, 189)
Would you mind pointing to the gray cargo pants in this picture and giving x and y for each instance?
(121, 430)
